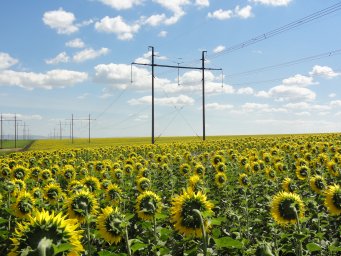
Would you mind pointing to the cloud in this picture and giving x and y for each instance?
(218, 106)
(57, 78)
(162, 33)
(60, 58)
(117, 26)
(175, 6)
(75, 43)
(298, 80)
(219, 48)
(291, 93)
(272, 2)
(243, 13)
(307, 106)
(6, 61)
(335, 103)
(121, 5)
(61, 21)
(202, 3)
(88, 54)
(155, 19)
(22, 117)
(83, 96)
(173, 101)
(324, 71)
(245, 90)
(259, 107)
(304, 113)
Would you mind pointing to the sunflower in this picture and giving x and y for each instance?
(143, 184)
(333, 168)
(185, 168)
(19, 185)
(288, 185)
(105, 184)
(333, 199)
(216, 159)
(147, 204)
(5, 172)
(185, 220)
(53, 193)
(47, 225)
(302, 172)
(45, 174)
(24, 205)
(111, 225)
(113, 194)
(195, 182)
(128, 169)
(35, 173)
(220, 179)
(75, 186)
(318, 184)
(144, 172)
(20, 172)
(220, 167)
(285, 206)
(81, 204)
(199, 169)
(270, 173)
(37, 193)
(92, 183)
(118, 175)
(243, 180)
(69, 172)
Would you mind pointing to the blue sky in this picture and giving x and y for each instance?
(64, 57)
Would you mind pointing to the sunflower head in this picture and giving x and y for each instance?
(53, 193)
(45, 174)
(143, 184)
(24, 205)
(111, 225)
(113, 194)
(45, 225)
(147, 205)
(35, 172)
(185, 220)
(270, 173)
(5, 172)
(288, 185)
(220, 179)
(302, 172)
(195, 182)
(69, 172)
(318, 184)
(199, 169)
(333, 168)
(92, 183)
(20, 172)
(185, 169)
(333, 200)
(81, 204)
(221, 167)
(244, 180)
(286, 208)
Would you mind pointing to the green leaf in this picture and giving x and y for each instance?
(61, 248)
(217, 221)
(164, 233)
(106, 253)
(216, 232)
(313, 247)
(228, 242)
(2, 220)
(138, 246)
(161, 216)
(333, 248)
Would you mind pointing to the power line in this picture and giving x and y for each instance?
(280, 30)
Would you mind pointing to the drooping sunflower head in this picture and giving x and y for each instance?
(111, 225)
(185, 169)
(220, 179)
(333, 200)
(20, 172)
(185, 220)
(5, 172)
(143, 184)
(333, 168)
(35, 172)
(128, 169)
(24, 205)
(19, 185)
(216, 159)
(113, 194)
(81, 204)
(42, 224)
(270, 173)
(92, 183)
(37, 193)
(199, 169)
(286, 208)
(69, 172)
(147, 205)
(221, 167)
(45, 174)
(288, 185)
(195, 183)
(302, 172)
(118, 175)
(318, 184)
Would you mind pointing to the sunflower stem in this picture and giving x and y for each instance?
(204, 240)
(8, 207)
(154, 221)
(300, 249)
(88, 231)
(127, 241)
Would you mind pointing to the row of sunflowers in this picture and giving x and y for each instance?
(271, 195)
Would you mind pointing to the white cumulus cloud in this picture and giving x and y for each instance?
(324, 71)
(298, 80)
(121, 4)
(202, 3)
(6, 61)
(218, 106)
(291, 93)
(61, 20)
(245, 90)
(238, 12)
(57, 78)
(166, 101)
(219, 48)
(117, 26)
(88, 54)
(162, 33)
(75, 43)
(60, 58)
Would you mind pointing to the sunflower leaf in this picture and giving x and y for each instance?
(313, 247)
(61, 248)
(228, 242)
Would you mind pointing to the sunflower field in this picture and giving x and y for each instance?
(261, 195)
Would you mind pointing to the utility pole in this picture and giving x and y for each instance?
(202, 68)
(80, 119)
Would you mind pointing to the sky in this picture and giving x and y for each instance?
(60, 58)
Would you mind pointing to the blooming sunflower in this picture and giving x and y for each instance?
(128, 169)
(185, 220)
(220, 179)
(5, 172)
(81, 204)
(147, 204)
(302, 172)
(37, 193)
(270, 173)
(243, 180)
(221, 167)
(288, 185)
(35, 172)
(143, 184)
(185, 168)
(19, 172)
(283, 207)
(69, 172)
(118, 175)
(45, 174)
(216, 159)
(24, 205)
(333, 168)
(92, 183)
(53, 193)
(333, 199)
(195, 182)
(47, 225)
(199, 169)
(111, 225)
(113, 194)
(318, 184)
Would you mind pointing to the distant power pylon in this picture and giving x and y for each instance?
(80, 119)
(202, 68)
